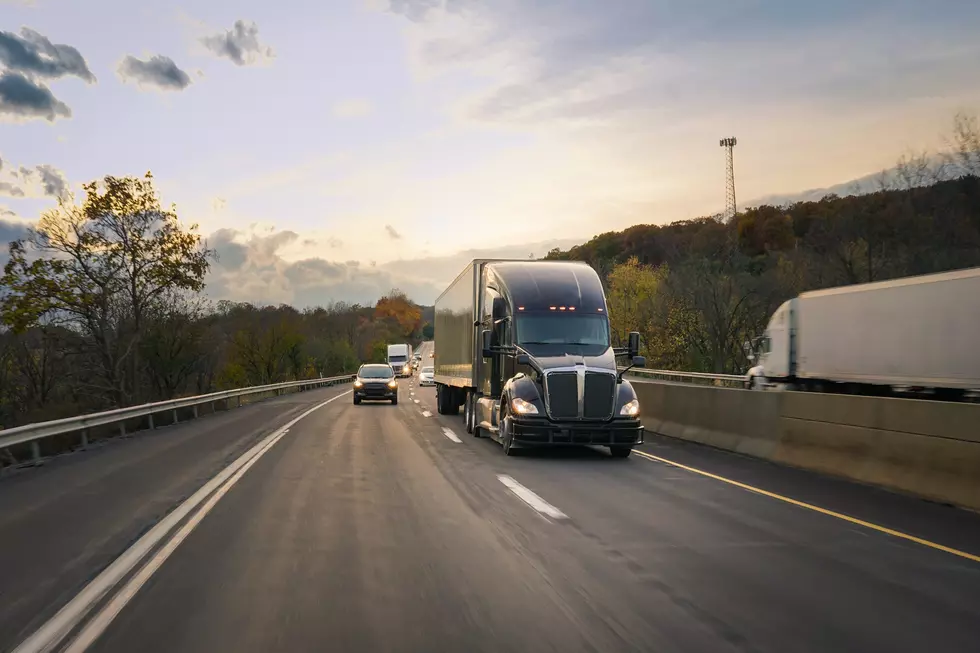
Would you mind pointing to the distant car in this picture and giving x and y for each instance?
(427, 376)
(376, 382)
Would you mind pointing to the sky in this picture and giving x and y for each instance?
(332, 150)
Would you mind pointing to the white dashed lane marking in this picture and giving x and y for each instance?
(530, 498)
(449, 434)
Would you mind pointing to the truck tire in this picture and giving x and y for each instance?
(394, 401)
(506, 435)
(620, 452)
(468, 412)
(357, 400)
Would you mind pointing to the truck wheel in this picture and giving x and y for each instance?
(507, 435)
(452, 401)
(620, 452)
(394, 401)
(357, 400)
(468, 413)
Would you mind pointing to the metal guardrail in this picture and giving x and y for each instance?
(699, 378)
(34, 432)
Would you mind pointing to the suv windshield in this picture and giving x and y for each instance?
(562, 329)
(375, 372)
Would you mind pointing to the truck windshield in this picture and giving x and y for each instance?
(396, 359)
(562, 330)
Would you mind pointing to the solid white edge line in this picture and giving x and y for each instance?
(54, 630)
(531, 498)
(94, 628)
(426, 413)
(449, 434)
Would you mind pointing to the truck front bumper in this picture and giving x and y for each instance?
(542, 432)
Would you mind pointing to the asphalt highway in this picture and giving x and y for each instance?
(388, 528)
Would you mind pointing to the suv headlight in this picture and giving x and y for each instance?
(522, 407)
(393, 384)
(358, 383)
(630, 408)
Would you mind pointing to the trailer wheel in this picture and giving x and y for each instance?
(468, 412)
(441, 399)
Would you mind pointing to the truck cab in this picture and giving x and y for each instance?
(773, 356)
(545, 369)
(399, 358)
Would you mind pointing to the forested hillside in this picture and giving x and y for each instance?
(699, 290)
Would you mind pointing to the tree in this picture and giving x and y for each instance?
(172, 345)
(396, 307)
(97, 267)
(428, 331)
(632, 296)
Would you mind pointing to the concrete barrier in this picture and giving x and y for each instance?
(927, 448)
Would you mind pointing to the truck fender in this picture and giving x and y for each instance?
(624, 394)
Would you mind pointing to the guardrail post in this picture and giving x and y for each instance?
(36, 452)
(195, 411)
(239, 398)
(150, 419)
(122, 429)
(84, 438)
(175, 415)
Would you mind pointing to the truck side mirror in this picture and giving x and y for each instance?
(634, 343)
(485, 338)
(639, 361)
(523, 359)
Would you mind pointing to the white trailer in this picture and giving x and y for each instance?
(400, 359)
(917, 333)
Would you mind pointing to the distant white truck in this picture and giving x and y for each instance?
(400, 357)
(913, 334)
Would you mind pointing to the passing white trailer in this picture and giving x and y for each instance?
(916, 333)
(400, 359)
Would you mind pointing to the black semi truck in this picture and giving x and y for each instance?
(523, 347)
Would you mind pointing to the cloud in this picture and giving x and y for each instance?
(24, 99)
(52, 180)
(10, 230)
(158, 71)
(352, 108)
(42, 180)
(240, 44)
(32, 53)
(10, 190)
(251, 268)
(392, 233)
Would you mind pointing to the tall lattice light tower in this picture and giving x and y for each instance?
(729, 145)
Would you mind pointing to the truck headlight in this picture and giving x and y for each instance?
(522, 407)
(358, 383)
(393, 384)
(630, 408)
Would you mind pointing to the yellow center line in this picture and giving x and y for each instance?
(808, 506)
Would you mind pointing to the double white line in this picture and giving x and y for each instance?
(50, 635)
